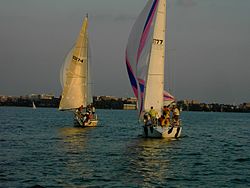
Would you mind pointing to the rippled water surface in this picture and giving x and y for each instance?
(41, 147)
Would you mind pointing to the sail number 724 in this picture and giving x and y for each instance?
(77, 59)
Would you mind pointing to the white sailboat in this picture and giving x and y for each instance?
(76, 81)
(145, 58)
(33, 105)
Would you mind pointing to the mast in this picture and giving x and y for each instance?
(89, 98)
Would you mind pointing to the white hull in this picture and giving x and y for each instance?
(162, 132)
(80, 122)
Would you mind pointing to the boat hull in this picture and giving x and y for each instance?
(162, 132)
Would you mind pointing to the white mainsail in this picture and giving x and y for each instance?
(155, 78)
(76, 73)
(145, 56)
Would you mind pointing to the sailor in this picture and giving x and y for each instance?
(161, 121)
(176, 114)
(147, 123)
(166, 114)
(165, 111)
(79, 111)
(80, 108)
(89, 109)
(87, 117)
(93, 109)
(153, 114)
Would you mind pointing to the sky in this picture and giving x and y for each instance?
(208, 46)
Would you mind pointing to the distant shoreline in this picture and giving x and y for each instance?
(110, 102)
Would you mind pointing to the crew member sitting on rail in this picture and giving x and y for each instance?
(153, 114)
(166, 114)
(161, 121)
(176, 114)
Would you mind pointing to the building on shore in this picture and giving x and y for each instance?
(129, 107)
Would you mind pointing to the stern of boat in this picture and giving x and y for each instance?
(79, 121)
(162, 132)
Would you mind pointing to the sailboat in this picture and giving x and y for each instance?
(33, 105)
(145, 59)
(76, 81)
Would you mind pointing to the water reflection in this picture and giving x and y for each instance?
(74, 138)
(149, 158)
(74, 148)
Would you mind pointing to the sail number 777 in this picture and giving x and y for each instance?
(157, 41)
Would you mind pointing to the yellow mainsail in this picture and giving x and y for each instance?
(75, 86)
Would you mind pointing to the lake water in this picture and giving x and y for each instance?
(42, 148)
